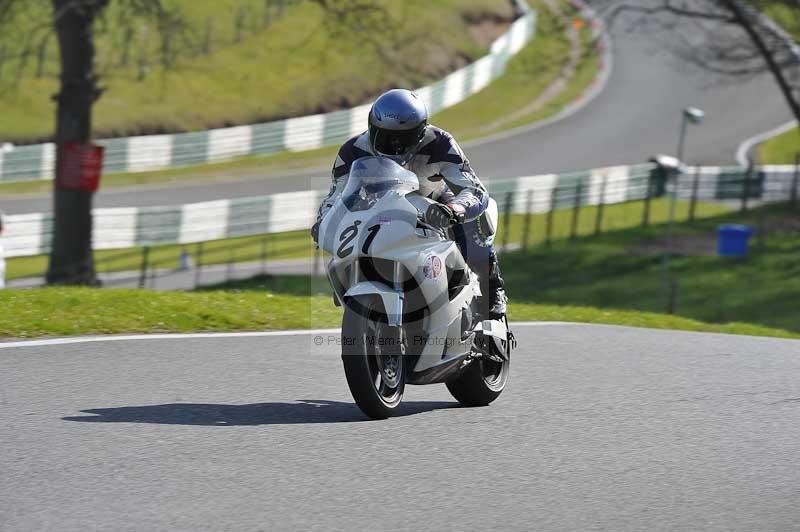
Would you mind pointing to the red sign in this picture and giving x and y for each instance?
(80, 166)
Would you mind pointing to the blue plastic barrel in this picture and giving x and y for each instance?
(732, 240)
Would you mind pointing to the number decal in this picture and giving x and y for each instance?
(347, 236)
(373, 232)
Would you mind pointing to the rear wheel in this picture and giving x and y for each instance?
(481, 383)
(373, 361)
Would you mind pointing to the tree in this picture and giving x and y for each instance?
(776, 47)
(738, 39)
(71, 258)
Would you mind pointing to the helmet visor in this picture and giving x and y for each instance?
(395, 142)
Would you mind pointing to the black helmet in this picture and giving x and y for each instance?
(397, 123)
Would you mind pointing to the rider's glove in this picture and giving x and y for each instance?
(315, 232)
(459, 212)
(442, 216)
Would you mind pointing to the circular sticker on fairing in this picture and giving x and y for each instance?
(432, 268)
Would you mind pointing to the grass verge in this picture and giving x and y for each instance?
(610, 279)
(782, 149)
(784, 15)
(85, 311)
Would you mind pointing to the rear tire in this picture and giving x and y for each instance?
(481, 383)
(375, 373)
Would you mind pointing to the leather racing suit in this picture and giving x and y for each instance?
(445, 175)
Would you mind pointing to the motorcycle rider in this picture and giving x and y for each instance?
(399, 129)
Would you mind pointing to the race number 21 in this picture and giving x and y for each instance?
(350, 233)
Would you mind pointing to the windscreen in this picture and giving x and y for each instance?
(371, 178)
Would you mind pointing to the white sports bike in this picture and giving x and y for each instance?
(412, 307)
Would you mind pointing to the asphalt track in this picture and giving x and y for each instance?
(600, 428)
(637, 115)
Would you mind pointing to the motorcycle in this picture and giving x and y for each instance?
(412, 307)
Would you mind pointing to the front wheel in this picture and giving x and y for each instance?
(372, 358)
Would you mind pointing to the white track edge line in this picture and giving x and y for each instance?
(747, 145)
(191, 336)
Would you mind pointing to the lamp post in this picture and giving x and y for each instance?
(691, 115)
(673, 168)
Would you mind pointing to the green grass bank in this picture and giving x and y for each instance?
(217, 63)
(782, 149)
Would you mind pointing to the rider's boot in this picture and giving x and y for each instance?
(492, 288)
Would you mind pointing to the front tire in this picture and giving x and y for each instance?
(373, 361)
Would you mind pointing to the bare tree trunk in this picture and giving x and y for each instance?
(518, 8)
(739, 11)
(71, 259)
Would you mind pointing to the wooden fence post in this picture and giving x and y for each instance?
(549, 234)
(647, 198)
(506, 221)
(795, 179)
(673, 297)
(145, 266)
(528, 216)
(746, 186)
(229, 265)
(695, 185)
(576, 209)
(198, 264)
(601, 203)
(264, 254)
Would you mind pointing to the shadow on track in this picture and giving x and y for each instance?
(305, 411)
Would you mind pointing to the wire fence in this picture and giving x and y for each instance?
(269, 233)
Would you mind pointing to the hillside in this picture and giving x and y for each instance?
(213, 63)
